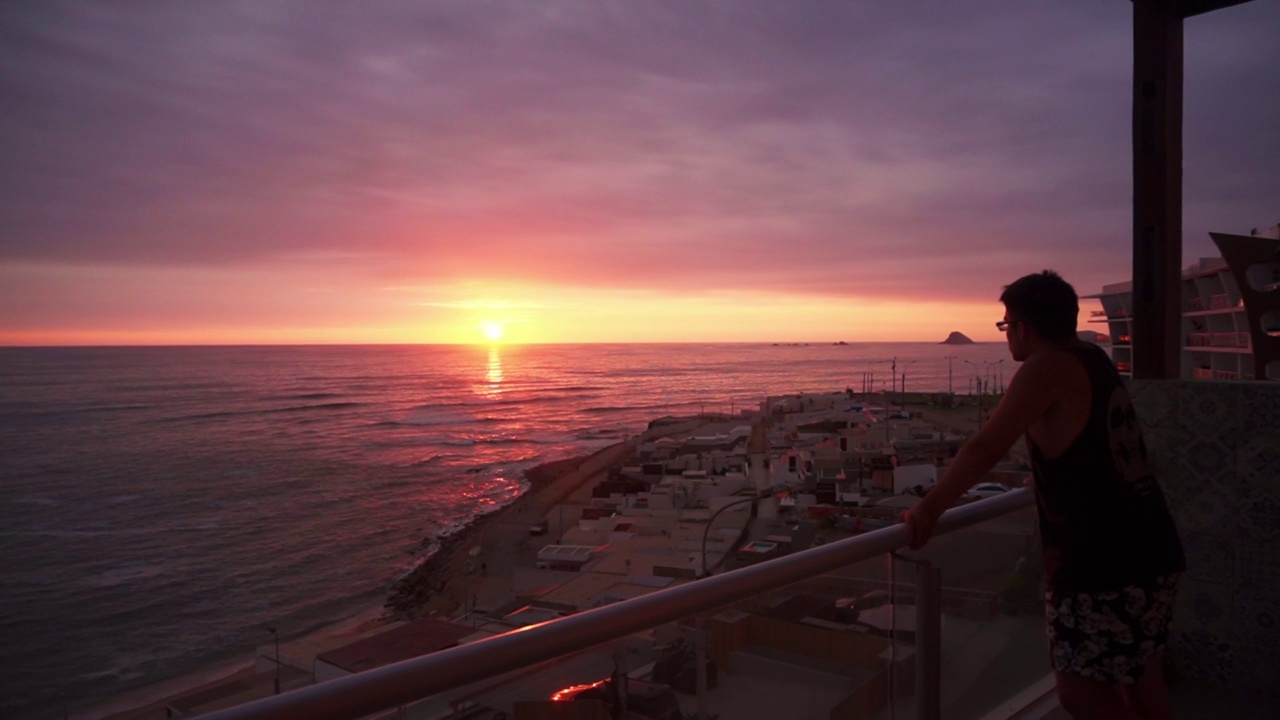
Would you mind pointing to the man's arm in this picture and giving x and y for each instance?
(1031, 392)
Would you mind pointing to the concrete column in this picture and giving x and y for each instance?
(1157, 188)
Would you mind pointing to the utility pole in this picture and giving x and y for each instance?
(949, 359)
(903, 384)
(977, 379)
(276, 637)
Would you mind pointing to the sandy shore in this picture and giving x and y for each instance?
(475, 555)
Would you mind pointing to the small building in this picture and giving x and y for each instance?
(565, 557)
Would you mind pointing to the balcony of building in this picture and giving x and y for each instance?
(856, 628)
(1222, 340)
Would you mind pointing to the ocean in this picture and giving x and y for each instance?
(161, 507)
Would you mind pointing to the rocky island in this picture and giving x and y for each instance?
(957, 338)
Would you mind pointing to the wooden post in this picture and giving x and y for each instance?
(1157, 188)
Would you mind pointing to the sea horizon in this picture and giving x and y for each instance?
(501, 344)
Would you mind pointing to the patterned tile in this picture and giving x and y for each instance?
(1211, 412)
(1255, 615)
(1200, 606)
(1257, 668)
(1260, 516)
(1210, 459)
(1202, 508)
(1203, 656)
(1258, 460)
(1213, 405)
(1217, 449)
(1156, 401)
(1163, 427)
(1260, 405)
(1210, 558)
(1262, 559)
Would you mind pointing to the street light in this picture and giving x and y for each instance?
(977, 379)
(949, 359)
(991, 365)
(977, 373)
(700, 654)
(908, 364)
(767, 492)
(1000, 372)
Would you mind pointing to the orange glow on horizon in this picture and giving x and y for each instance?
(506, 313)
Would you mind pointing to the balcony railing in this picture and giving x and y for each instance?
(1218, 339)
(1222, 302)
(403, 683)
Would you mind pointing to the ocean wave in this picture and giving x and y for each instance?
(540, 399)
(263, 411)
(627, 408)
(115, 408)
(600, 434)
(36, 500)
(119, 576)
(114, 532)
(434, 459)
(438, 415)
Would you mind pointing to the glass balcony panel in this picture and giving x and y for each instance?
(787, 639)
(818, 648)
(993, 643)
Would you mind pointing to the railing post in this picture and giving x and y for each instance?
(928, 642)
(700, 657)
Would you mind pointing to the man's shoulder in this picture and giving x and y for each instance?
(1052, 358)
(1058, 368)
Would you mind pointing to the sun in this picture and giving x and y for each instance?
(492, 330)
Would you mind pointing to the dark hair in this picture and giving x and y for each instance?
(1044, 301)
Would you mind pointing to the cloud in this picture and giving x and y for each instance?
(909, 149)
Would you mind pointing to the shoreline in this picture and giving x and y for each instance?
(432, 588)
(440, 585)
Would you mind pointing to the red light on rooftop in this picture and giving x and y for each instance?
(569, 692)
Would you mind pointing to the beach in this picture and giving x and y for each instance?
(440, 586)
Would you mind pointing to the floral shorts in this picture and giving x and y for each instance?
(1110, 636)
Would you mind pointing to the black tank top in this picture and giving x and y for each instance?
(1104, 523)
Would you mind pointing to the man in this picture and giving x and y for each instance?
(1112, 556)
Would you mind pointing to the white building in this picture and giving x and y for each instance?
(1230, 312)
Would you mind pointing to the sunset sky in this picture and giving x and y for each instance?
(261, 172)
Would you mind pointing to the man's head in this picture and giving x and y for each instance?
(1041, 307)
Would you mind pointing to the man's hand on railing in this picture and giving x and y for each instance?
(921, 521)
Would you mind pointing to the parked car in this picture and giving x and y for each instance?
(986, 490)
(538, 528)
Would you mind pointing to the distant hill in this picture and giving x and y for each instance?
(957, 338)
(1093, 337)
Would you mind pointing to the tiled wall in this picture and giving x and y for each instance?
(1216, 446)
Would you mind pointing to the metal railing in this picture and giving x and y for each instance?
(391, 686)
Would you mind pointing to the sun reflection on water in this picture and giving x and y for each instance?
(493, 376)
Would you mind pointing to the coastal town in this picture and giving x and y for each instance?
(687, 498)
